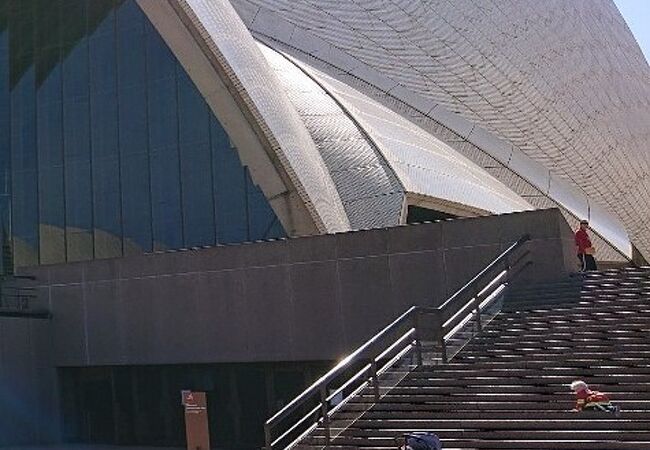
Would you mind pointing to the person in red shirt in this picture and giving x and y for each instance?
(588, 400)
(585, 249)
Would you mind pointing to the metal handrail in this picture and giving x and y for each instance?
(17, 300)
(411, 323)
(486, 270)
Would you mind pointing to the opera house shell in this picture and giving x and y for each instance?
(350, 112)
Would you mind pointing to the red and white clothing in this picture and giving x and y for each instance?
(582, 241)
(586, 399)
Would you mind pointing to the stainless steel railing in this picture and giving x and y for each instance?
(396, 349)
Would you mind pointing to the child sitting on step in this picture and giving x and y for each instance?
(588, 400)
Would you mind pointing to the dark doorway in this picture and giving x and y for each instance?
(417, 214)
(140, 405)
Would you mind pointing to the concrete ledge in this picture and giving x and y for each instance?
(311, 298)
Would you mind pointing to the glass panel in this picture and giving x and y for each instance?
(106, 145)
(165, 199)
(48, 37)
(21, 39)
(6, 264)
(230, 188)
(104, 140)
(196, 175)
(50, 162)
(24, 170)
(262, 222)
(133, 143)
(76, 131)
(163, 141)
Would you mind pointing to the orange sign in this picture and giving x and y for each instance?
(196, 420)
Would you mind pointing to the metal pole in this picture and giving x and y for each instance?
(267, 436)
(375, 379)
(443, 345)
(418, 343)
(324, 412)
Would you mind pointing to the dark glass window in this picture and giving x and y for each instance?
(76, 138)
(104, 139)
(262, 222)
(106, 146)
(230, 188)
(418, 214)
(49, 113)
(196, 175)
(24, 170)
(163, 143)
(133, 129)
(5, 144)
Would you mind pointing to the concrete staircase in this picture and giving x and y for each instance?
(508, 388)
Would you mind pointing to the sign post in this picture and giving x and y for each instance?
(196, 420)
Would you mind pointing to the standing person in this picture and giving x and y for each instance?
(585, 249)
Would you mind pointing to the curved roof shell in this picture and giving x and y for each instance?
(557, 93)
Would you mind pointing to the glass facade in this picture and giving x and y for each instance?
(106, 146)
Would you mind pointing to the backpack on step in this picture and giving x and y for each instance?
(422, 441)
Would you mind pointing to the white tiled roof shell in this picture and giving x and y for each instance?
(245, 70)
(376, 156)
(425, 165)
(371, 193)
(561, 82)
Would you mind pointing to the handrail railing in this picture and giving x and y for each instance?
(406, 334)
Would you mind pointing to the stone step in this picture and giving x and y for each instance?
(575, 441)
(509, 386)
(494, 396)
(600, 423)
(446, 404)
(403, 412)
(390, 434)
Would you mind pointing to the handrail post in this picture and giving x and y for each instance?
(267, 437)
(418, 342)
(325, 413)
(443, 346)
(375, 379)
(477, 302)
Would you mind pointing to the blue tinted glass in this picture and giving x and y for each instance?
(277, 230)
(24, 170)
(194, 125)
(104, 140)
(76, 132)
(161, 63)
(196, 173)
(5, 139)
(133, 143)
(129, 15)
(162, 111)
(131, 62)
(106, 146)
(75, 72)
(50, 166)
(165, 199)
(136, 203)
(261, 218)
(198, 213)
(230, 188)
